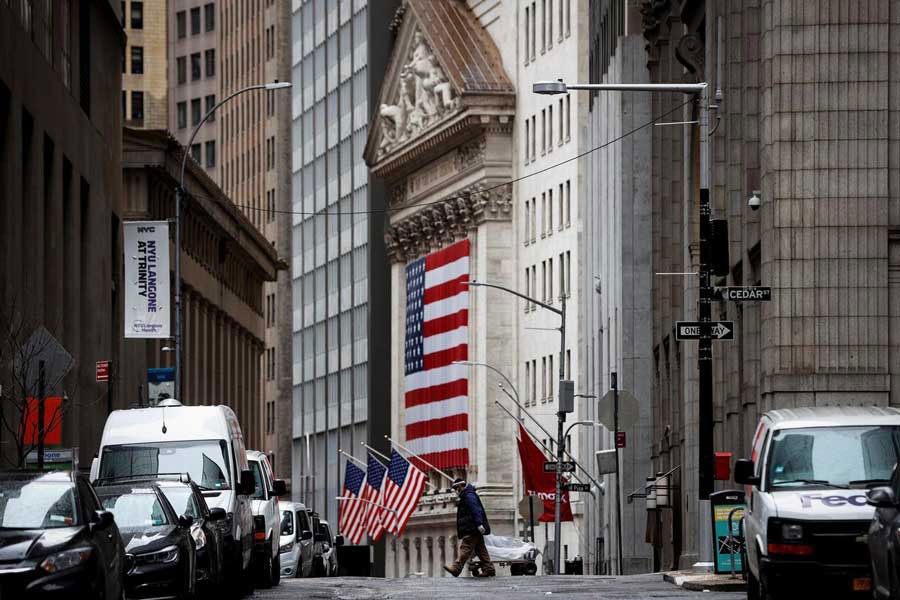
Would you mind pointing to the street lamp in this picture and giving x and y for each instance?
(565, 402)
(699, 91)
(179, 198)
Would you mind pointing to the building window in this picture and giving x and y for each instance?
(137, 15)
(196, 152)
(533, 219)
(210, 104)
(195, 66)
(561, 213)
(550, 276)
(562, 272)
(549, 24)
(568, 202)
(270, 201)
(181, 24)
(527, 222)
(550, 128)
(195, 20)
(210, 16)
(568, 290)
(568, 118)
(527, 379)
(124, 104)
(210, 62)
(527, 32)
(543, 379)
(182, 114)
(211, 154)
(527, 140)
(568, 17)
(137, 60)
(543, 26)
(533, 30)
(137, 106)
(560, 121)
(181, 68)
(560, 19)
(533, 137)
(543, 131)
(544, 214)
(534, 382)
(550, 211)
(196, 113)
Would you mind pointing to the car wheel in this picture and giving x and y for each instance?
(276, 570)
(265, 571)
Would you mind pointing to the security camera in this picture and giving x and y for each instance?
(754, 202)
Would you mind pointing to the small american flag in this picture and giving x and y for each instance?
(352, 513)
(437, 334)
(402, 491)
(372, 492)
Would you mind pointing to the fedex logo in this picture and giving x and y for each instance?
(806, 500)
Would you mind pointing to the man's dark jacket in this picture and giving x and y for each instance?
(470, 513)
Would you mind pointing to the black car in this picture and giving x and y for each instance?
(884, 538)
(55, 539)
(208, 528)
(161, 559)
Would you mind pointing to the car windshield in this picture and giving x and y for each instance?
(206, 461)
(138, 510)
(832, 457)
(258, 491)
(287, 522)
(35, 503)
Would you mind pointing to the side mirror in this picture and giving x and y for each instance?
(104, 518)
(279, 488)
(338, 540)
(217, 514)
(743, 472)
(881, 497)
(247, 485)
(185, 521)
(306, 536)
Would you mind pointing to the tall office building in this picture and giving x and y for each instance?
(193, 40)
(145, 82)
(338, 267)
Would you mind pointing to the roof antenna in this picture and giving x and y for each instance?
(164, 429)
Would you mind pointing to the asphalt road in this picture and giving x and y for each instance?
(498, 588)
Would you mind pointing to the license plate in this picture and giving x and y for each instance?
(862, 584)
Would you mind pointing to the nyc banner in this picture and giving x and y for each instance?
(147, 279)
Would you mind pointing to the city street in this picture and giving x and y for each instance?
(357, 588)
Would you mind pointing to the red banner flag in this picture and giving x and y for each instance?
(539, 483)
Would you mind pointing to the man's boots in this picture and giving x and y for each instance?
(451, 571)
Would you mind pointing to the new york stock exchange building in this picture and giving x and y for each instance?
(442, 141)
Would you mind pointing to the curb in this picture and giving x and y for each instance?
(699, 585)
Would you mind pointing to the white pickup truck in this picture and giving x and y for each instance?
(807, 517)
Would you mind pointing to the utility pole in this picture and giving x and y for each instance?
(560, 437)
(704, 350)
(614, 381)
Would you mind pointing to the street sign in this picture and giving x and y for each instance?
(629, 410)
(577, 487)
(606, 461)
(565, 466)
(690, 330)
(102, 370)
(620, 439)
(744, 294)
(42, 347)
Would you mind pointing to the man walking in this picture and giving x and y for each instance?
(471, 527)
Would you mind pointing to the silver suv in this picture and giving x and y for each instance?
(297, 546)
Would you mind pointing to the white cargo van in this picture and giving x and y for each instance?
(807, 518)
(203, 441)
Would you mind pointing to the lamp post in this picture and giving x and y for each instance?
(565, 401)
(179, 199)
(700, 92)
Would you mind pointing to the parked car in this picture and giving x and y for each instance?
(884, 538)
(208, 529)
(297, 546)
(266, 519)
(161, 559)
(204, 441)
(55, 538)
(807, 517)
(327, 549)
(318, 568)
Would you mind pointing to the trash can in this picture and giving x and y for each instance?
(574, 566)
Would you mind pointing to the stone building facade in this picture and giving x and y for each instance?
(60, 201)
(225, 263)
(805, 121)
(442, 141)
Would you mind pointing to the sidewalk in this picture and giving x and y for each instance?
(701, 582)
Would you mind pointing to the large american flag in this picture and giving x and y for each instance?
(372, 492)
(402, 492)
(352, 512)
(437, 393)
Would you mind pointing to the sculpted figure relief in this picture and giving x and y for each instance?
(424, 97)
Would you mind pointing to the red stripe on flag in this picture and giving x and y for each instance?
(445, 290)
(442, 358)
(443, 460)
(436, 393)
(446, 323)
(437, 426)
(447, 255)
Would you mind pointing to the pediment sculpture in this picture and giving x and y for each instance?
(424, 97)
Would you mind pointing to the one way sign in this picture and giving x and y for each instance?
(690, 330)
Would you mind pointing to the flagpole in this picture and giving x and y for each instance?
(546, 449)
(408, 451)
(353, 458)
(377, 453)
(381, 506)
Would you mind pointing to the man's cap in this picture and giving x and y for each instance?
(458, 482)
